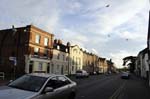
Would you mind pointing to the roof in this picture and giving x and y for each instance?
(29, 26)
(62, 47)
(42, 75)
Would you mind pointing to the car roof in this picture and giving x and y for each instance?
(46, 75)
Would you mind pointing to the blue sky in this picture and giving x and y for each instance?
(112, 32)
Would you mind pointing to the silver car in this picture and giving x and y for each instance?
(39, 86)
(81, 73)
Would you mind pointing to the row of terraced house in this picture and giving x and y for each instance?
(30, 49)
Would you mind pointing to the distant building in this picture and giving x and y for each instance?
(87, 62)
(60, 60)
(95, 61)
(111, 68)
(105, 66)
(101, 65)
(25, 50)
(76, 59)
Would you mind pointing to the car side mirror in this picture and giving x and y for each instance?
(10, 81)
(48, 89)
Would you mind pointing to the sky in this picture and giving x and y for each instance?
(114, 32)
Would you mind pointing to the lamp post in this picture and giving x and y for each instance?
(148, 46)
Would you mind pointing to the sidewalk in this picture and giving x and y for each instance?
(3, 82)
(135, 88)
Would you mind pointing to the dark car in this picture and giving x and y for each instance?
(125, 75)
(39, 86)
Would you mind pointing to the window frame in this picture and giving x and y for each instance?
(46, 41)
(37, 38)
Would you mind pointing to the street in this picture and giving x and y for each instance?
(112, 87)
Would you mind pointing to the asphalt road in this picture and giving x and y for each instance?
(112, 87)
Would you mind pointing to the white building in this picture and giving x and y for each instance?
(60, 60)
(76, 59)
(142, 67)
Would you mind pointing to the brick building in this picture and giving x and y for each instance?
(24, 50)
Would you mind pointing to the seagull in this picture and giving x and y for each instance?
(107, 5)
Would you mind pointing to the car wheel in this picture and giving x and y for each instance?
(72, 96)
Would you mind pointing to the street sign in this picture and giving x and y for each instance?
(12, 58)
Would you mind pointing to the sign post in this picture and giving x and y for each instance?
(15, 63)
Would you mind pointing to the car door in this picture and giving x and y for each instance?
(64, 87)
(53, 83)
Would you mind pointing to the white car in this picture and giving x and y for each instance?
(81, 73)
(39, 86)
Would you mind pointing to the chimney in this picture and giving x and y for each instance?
(68, 44)
(55, 41)
(59, 41)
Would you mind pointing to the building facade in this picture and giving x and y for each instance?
(101, 64)
(87, 62)
(76, 59)
(60, 60)
(141, 65)
(25, 50)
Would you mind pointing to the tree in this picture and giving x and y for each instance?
(131, 62)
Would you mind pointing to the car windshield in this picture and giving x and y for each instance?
(28, 82)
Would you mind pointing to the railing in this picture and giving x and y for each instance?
(2, 75)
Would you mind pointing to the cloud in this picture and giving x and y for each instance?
(104, 20)
(132, 36)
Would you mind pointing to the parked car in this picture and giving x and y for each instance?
(39, 86)
(125, 75)
(81, 74)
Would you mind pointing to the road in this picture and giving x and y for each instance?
(112, 87)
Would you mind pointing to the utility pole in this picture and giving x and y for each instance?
(148, 46)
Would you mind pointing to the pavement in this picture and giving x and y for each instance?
(3, 82)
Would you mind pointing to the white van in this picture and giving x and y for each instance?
(81, 73)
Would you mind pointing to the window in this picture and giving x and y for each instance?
(72, 68)
(30, 66)
(46, 41)
(63, 81)
(66, 68)
(79, 61)
(48, 68)
(63, 57)
(40, 67)
(37, 38)
(67, 58)
(45, 52)
(76, 61)
(75, 51)
(57, 67)
(53, 83)
(29, 83)
(58, 47)
(52, 68)
(66, 50)
(73, 60)
(36, 51)
(58, 56)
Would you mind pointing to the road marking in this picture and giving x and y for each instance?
(118, 91)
